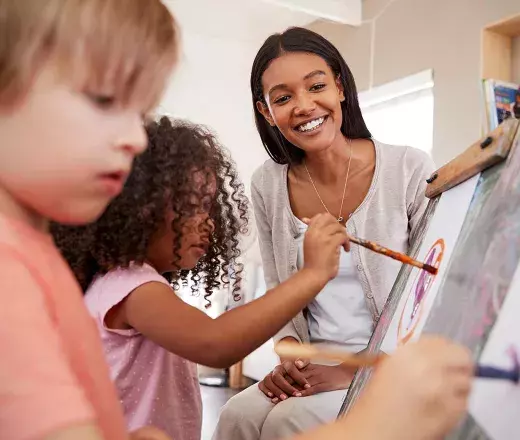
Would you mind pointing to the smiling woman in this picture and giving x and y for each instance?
(307, 110)
(323, 159)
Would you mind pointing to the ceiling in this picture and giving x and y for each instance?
(340, 11)
(256, 19)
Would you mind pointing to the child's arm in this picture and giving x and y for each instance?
(419, 393)
(154, 311)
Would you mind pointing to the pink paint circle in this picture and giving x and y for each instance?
(414, 307)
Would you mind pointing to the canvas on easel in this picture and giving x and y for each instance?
(436, 249)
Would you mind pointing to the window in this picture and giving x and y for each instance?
(401, 112)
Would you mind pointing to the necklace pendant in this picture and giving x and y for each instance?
(340, 219)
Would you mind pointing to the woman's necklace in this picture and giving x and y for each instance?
(340, 217)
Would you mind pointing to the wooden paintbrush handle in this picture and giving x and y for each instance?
(294, 350)
(403, 258)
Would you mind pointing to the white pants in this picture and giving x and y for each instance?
(250, 415)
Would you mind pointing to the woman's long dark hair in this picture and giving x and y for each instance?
(303, 40)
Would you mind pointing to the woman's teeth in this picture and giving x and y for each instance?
(312, 125)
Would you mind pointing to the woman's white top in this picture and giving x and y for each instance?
(339, 315)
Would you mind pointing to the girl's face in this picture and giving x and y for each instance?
(303, 99)
(195, 235)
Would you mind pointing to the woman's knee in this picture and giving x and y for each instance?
(300, 414)
(249, 405)
(285, 419)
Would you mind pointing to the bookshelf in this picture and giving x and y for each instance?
(501, 50)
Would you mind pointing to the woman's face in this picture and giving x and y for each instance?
(303, 99)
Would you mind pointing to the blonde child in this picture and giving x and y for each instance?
(76, 77)
(180, 215)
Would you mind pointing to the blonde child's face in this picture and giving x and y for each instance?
(66, 153)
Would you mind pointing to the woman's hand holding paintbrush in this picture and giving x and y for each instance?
(388, 252)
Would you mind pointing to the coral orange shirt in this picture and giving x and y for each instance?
(52, 369)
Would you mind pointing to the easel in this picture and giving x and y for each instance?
(491, 230)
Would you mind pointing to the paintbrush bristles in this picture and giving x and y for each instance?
(430, 269)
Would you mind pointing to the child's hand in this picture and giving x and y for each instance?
(428, 381)
(322, 245)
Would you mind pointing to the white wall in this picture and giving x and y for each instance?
(211, 86)
(219, 42)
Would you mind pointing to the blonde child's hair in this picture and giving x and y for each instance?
(125, 46)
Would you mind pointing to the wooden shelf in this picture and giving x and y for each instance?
(497, 49)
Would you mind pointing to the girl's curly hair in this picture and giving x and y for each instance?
(162, 180)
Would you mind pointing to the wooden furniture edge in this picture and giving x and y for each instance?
(237, 381)
(486, 152)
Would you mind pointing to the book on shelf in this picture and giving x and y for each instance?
(502, 101)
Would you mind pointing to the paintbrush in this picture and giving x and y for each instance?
(393, 254)
(292, 350)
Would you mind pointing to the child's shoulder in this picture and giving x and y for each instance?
(123, 280)
(33, 268)
(138, 272)
(113, 287)
(34, 249)
(17, 235)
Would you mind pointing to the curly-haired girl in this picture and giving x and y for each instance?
(180, 214)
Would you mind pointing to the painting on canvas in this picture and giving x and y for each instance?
(420, 291)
